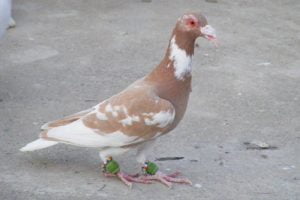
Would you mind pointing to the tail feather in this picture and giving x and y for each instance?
(38, 144)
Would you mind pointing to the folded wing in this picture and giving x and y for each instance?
(133, 116)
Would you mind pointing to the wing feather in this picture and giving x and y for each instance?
(66, 120)
(133, 116)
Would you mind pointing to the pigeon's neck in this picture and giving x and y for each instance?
(177, 62)
(181, 43)
(179, 57)
(172, 77)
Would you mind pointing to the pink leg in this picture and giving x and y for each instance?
(174, 174)
(129, 179)
(167, 179)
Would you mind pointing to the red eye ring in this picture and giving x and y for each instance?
(192, 23)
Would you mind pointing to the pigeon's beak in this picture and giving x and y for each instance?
(209, 33)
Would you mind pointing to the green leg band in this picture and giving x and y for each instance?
(150, 168)
(112, 167)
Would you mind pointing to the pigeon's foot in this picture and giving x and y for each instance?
(166, 179)
(111, 168)
(151, 172)
(129, 179)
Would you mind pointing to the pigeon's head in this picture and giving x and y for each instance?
(196, 25)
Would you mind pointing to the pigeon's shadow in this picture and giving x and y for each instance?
(74, 160)
(68, 159)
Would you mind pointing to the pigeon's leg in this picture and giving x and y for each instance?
(166, 179)
(150, 169)
(141, 151)
(111, 167)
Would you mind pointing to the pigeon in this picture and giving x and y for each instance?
(132, 119)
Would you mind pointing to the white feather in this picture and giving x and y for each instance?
(114, 151)
(84, 112)
(38, 144)
(182, 61)
(129, 120)
(161, 119)
(78, 134)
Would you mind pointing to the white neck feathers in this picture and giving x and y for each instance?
(182, 62)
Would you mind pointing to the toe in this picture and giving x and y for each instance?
(174, 175)
(178, 180)
(164, 181)
(122, 177)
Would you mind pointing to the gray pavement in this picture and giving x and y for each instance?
(65, 56)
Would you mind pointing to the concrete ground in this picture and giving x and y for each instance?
(67, 55)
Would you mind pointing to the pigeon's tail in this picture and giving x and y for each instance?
(38, 144)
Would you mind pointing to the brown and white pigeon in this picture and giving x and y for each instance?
(150, 107)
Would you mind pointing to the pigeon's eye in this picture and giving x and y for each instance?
(192, 23)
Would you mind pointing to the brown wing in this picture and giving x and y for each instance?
(66, 120)
(137, 111)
